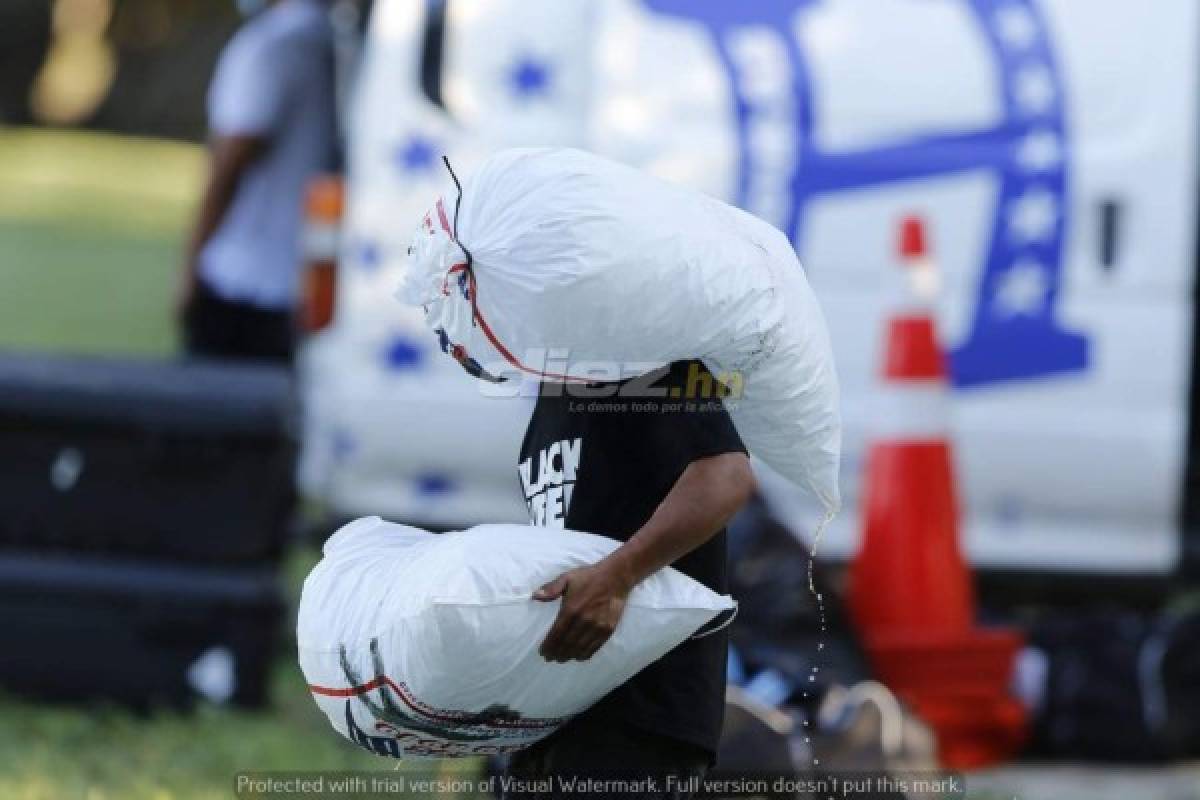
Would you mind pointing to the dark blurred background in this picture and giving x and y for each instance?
(129, 66)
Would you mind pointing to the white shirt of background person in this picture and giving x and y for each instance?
(274, 81)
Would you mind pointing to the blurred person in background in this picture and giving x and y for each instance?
(272, 121)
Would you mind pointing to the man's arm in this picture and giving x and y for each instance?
(231, 157)
(706, 496)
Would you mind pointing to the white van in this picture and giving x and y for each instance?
(1049, 146)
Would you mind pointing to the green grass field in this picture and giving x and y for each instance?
(90, 231)
(90, 234)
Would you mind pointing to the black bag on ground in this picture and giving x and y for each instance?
(1120, 686)
(778, 624)
(143, 635)
(171, 460)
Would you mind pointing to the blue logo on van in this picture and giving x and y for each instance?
(1014, 333)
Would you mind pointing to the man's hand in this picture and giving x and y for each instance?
(593, 599)
(700, 503)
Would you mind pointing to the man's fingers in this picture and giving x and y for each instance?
(568, 639)
(596, 641)
(570, 643)
(580, 641)
(553, 643)
(576, 642)
(590, 647)
(552, 590)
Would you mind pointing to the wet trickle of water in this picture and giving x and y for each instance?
(812, 589)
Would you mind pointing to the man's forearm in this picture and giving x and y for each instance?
(708, 493)
(231, 157)
(215, 204)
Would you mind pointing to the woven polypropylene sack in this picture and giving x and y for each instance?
(572, 253)
(426, 645)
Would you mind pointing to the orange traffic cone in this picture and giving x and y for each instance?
(910, 590)
(909, 573)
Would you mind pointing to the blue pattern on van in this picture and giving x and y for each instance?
(1014, 333)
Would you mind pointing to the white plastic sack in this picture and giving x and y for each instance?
(422, 645)
(573, 252)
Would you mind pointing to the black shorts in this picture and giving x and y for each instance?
(619, 760)
(214, 327)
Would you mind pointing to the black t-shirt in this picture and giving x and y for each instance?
(601, 458)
